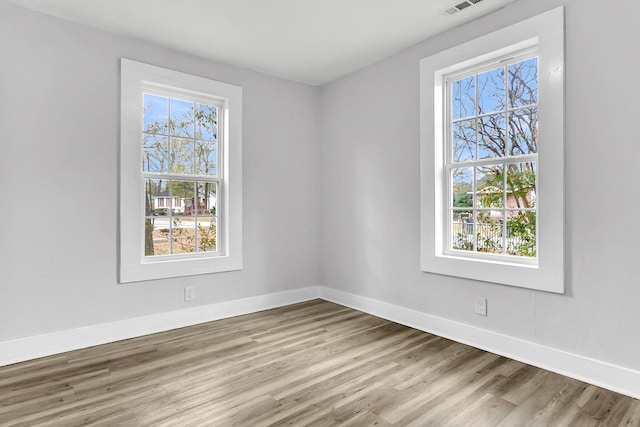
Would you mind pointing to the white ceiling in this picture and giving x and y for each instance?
(308, 41)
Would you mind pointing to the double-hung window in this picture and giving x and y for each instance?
(181, 166)
(491, 139)
(180, 210)
(492, 157)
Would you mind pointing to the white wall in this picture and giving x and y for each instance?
(370, 190)
(59, 113)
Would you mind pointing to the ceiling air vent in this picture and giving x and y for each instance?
(461, 6)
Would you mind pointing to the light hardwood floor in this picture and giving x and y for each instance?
(314, 363)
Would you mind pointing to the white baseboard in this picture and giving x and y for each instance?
(33, 347)
(596, 372)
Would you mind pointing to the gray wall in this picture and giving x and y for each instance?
(340, 162)
(370, 189)
(59, 114)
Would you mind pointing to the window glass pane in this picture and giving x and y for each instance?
(155, 156)
(181, 155)
(491, 133)
(462, 230)
(464, 140)
(182, 119)
(185, 192)
(207, 198)
(206, 234)
(523, 131)
(206, 122)
(156, 114)
(156, 236)
(523, 83)
(156, 227)
(183, 235)
(206, 153)
(489, 186)
(489, 231)
(463, 95)
(156, 190)
(491, 96)
(521, 233)
(521, 185)
(462, 187)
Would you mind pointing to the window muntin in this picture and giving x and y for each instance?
(491, 157)
(180, 164)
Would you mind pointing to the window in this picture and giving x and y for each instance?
(180, 158)
(492, 157)
(491, 140)
(180, 207)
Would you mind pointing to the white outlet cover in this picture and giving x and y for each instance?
(189, 293)
(481, 306)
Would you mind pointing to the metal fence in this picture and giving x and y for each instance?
(489, 237)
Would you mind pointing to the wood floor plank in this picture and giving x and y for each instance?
(545, 388)
(549, 415)
(598, 409)
(329, 394)
(632, 417)
(365, 418)
(310, 364)
(464, 392)
(488, 410)
(418, 399)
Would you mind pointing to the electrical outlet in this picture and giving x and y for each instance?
(481, 306)
(189, 293)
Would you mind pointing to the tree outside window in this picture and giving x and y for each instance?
(493, 128)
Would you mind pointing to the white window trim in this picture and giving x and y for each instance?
(546, 31)
(134, 266)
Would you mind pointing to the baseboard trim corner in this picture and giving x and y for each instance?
(596, 372)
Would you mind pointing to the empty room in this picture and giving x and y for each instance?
(349, 212)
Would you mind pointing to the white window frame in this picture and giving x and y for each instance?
(544, 32)
(134, 266)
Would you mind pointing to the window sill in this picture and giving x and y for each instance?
(543, 277)
(161, 269)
